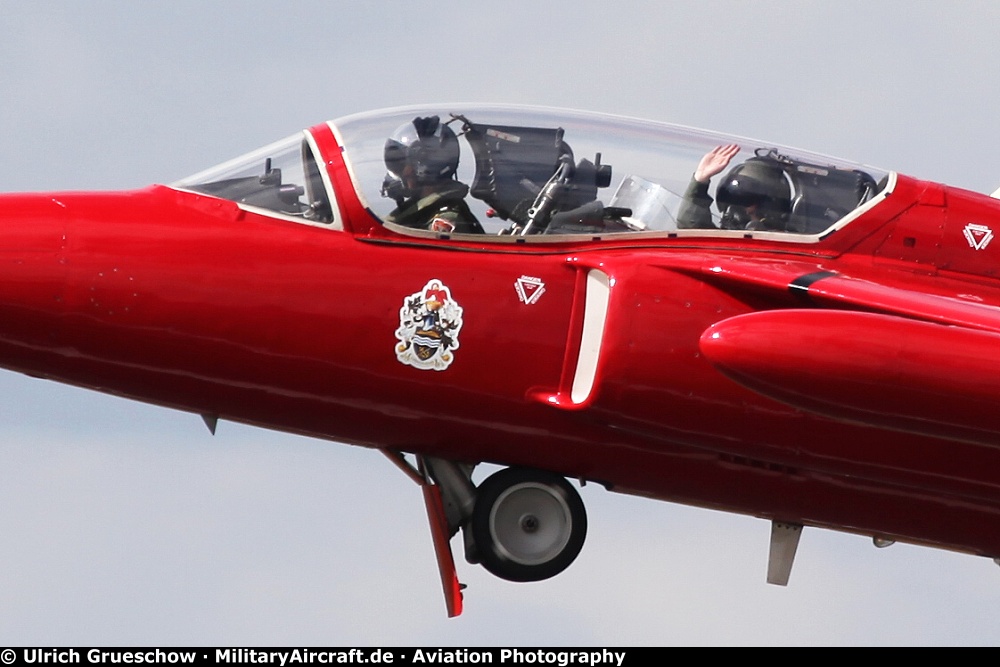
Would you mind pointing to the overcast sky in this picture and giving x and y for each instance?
(126, 524)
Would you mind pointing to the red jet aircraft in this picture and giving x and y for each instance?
(787, 335)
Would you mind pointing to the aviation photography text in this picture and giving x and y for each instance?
(312, 656)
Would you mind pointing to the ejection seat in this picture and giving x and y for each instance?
(820, 194)
(527, 175)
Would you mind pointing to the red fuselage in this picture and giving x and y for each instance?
(193, 302)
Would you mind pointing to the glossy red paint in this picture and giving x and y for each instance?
(442, 551)
(865, 363)
(908, 375)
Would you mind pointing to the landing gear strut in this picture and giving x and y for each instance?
(521, 524)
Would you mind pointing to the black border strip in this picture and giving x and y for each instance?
(800, 286)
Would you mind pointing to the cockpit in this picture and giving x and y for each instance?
(535, 175)
(542, 175)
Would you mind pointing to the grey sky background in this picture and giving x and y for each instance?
(126, 524)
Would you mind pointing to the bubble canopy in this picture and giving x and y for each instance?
(536, 173)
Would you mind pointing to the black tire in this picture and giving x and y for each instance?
(528, 524)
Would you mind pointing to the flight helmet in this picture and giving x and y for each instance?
(760, 183)
(422, 152)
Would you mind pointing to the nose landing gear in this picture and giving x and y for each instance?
(527, 524)
(521, 524)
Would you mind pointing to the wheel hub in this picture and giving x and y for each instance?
(530, 523)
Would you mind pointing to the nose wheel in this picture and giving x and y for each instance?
(528, 525)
